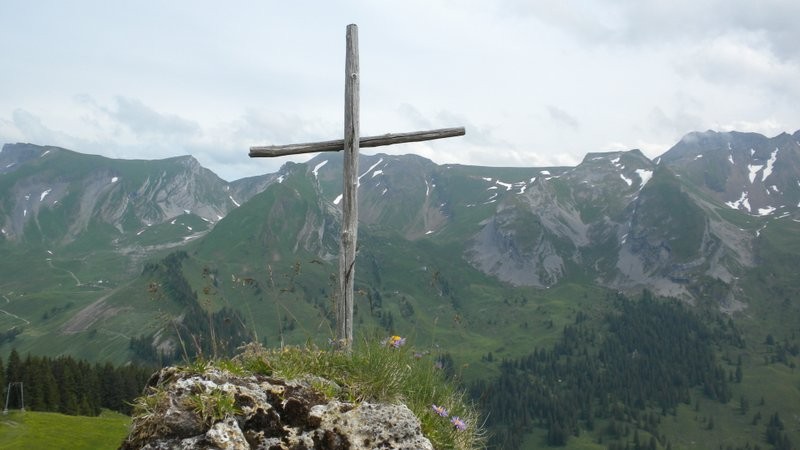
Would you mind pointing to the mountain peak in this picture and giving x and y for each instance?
(594, 156)
(14, 155)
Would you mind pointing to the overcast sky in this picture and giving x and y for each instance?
(535, 83)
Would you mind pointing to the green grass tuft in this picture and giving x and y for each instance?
(377, 372)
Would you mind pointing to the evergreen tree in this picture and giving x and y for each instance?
(2, 381)
(651, 356)
(71, 387)
(14, 370)
(14, 374)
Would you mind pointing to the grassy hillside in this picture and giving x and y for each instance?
(50, 431)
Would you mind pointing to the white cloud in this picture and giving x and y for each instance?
(677, 122)
(30, 128)
(145, 121)
(560, 116)
(768, 127)
(665, 22)
(534, 83)
(744, 61)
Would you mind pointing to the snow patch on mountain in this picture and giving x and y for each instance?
(645, 175)
(753, 171)
(337, 199)
(770, 164)
(114, 179)
(766, 211)
(505, 185)
(369, 170)
(44, 194)
(317, 167)
(627, 180)
(738, 204)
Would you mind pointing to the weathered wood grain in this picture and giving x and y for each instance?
(347, 254)
(271, 151)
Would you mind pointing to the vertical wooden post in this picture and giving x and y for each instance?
(351, 143)
(347, 255)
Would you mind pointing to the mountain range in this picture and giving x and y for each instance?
(690, 218)
(124, 260)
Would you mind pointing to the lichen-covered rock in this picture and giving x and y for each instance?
(368, 426)
(227, 435)
(222, 411)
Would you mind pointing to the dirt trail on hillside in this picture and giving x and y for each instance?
(87, 316)
(15, 316)
(77, 281)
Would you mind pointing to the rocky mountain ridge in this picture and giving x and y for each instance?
(618, 217)
(428, 233)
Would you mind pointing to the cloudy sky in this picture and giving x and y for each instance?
(535, 83)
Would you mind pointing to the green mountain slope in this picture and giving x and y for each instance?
(477, 266)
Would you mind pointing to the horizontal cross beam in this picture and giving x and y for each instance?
(269, 151)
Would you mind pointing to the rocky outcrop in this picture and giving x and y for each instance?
(216, 409)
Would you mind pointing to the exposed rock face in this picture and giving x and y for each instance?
(219, 410)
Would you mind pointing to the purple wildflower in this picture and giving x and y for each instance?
(440, 410)
(395, 341)
(458, 423)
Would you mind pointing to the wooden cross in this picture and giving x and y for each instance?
(350, 144)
